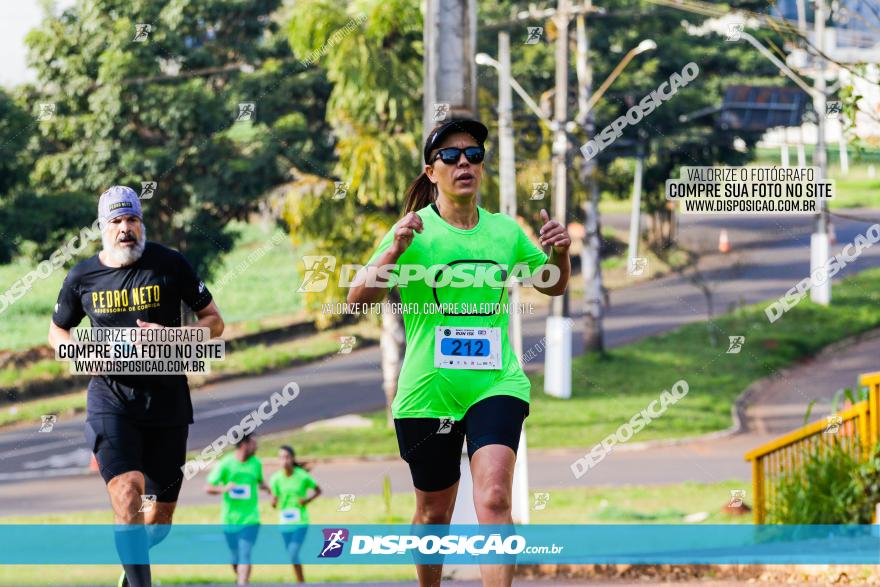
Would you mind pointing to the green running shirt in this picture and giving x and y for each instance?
(426, 391)
(240, 507)
(289, 490)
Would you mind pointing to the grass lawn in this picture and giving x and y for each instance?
(25, 323)
(608, 390)
(663, 504)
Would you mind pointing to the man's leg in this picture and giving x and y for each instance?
(118, 447)
(125, 492)
(158, 521)
(492, 470)
(164, 457)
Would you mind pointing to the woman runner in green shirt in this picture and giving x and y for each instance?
(460, 377)
(290, 487)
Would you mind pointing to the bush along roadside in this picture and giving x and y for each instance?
(831, 486)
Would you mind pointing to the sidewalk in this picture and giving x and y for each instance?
(778, 404)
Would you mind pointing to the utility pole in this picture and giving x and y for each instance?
(636, 212)
(450, 80)
(557, 358)
(507, 185)
(591, 267)
(450, 39)
(819, 245)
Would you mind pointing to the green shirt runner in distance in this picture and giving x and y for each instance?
(425, 391)
(289, 490)
(240, 506)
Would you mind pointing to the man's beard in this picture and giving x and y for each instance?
(124, 255)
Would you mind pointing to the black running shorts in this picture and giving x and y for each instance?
(433, 451)
(121, 445)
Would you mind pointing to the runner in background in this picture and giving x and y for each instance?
(290, 487)
(460, 376)
(237, 477)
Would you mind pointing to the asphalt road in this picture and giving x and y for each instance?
(770, 255)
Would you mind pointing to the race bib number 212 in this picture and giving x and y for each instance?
(467, 348)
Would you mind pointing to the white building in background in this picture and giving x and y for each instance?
(851, 38)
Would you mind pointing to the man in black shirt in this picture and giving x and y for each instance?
(136, 425)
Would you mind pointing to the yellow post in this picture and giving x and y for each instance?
(758, 489)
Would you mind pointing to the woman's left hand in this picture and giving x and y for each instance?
(554, 234)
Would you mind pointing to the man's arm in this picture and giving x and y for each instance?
(216, 489)
(209, 317)
(58, 336)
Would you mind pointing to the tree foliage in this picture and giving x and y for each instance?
(163, 108)
(371, 51)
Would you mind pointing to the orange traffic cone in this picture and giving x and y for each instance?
(723, 242)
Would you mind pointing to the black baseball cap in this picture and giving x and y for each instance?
(472, 127)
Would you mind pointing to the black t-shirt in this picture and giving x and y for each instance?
(151, 289)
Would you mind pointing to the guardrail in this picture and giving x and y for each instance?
(858, 428)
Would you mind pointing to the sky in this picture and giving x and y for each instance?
(19, 17)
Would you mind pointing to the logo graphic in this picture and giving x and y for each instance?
(446, 423)
(539, 190)
(541, 500)
(736, 498)
(832, 424)
(317, 272)
(736, 344)
(201, 287)
(637, 265)
(142, 32)
(46, 111)
(148, 190)
(334, 539)
(341, 190)
(48, 422)
(346, 500)
(441, 111)
(534, 35)
(147, 503)
(833, 109)
(734, 31)
(247, 112)
(346, 343)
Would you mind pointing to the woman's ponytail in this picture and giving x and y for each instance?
(421, 192)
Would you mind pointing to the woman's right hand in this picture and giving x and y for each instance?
(406, 229)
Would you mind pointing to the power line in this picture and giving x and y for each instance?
(777, 24)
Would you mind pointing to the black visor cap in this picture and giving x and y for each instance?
(472, 127)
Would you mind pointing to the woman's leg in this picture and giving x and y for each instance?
(492, 470)
(434, 460)
(292, 543)
(433, 507)
(493, 427)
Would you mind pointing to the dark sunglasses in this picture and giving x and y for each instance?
(450, 155)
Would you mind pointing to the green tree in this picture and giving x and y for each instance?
(16, 129)
(136, 104)
(371, 51)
